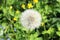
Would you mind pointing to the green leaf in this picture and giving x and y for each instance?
(58, 33)
(40, 38)
(58, 26)
(11, 12)
(50, 31)
(58, 0)
(9, 2)
(44, 32)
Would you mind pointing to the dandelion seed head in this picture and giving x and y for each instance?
(30, 19)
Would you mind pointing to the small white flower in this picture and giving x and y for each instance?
(30, 19)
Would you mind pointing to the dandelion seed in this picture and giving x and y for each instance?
(30, 19)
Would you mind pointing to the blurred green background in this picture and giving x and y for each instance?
(11, 29)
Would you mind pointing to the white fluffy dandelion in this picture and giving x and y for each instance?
(30, 19)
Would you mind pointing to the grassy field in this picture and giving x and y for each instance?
(11, 27)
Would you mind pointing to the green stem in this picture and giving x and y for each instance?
(28, 35)
(45, 36)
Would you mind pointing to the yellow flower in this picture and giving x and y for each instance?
(42, 24)
(17, 11)
(35, 1)
(10, 7)
(29, 5)
(23, 6)
(14, 19)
